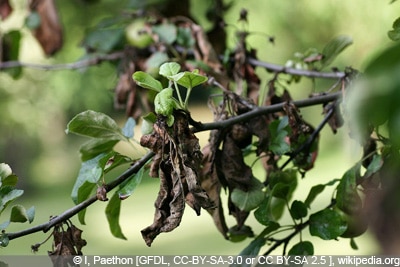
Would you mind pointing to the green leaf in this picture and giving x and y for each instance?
(374, 166)
(303, 248)
(252, 249)
(5, 171)
(249, 200)
(147, 81)
(148, 122)
(327, 224)
(10, 180)
(7, 195)
(185, 37)
(238, 234)
(298, 210)
(153, 63)
(21, 215)
(166, 31)
(95, 124)
(164, 103)
(84, 191)
(105, 39)
(281, 191)
(169, 69)
(130, 185)
(90, 172)
(95, 147)
(394, 34)
(334, 48)
(11, 43)
(113, 210)
(279, 132)
(129, 126)
(316, 190)
(263, 212)
(191, 79)
(347, 198)
(353, 244)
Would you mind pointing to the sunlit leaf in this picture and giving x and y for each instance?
(90, 172)
(7, 195)
(191, 79)
(302, 248)
(249, 200)
(327, 224)
(147, 81)
(334, 48)
(95, 124)
(163, 103)
(113, 210)
(169, 69)
(130, 185)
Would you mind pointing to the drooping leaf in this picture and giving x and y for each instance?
(347, 198)
(169, 69)
(10, 51)
(327, 224)
(247, 201)
(90, 172)
(95, 124)
(279, 133)
(298, 210)
(302, 248)
(394, 34)
(95, 147)
(334, 48)
(148, 122)
(166, 31)
(128, 128)
(251, 250)
(130, 185)
(316, 190)
(263, 212)
(21, 215)
(191, 79)
(113, 210)
(147, 81)
(7, 195)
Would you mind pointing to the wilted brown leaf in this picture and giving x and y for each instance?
(177, 161)
(5, 9)
(49, 34)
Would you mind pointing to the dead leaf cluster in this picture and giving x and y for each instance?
(177, 163)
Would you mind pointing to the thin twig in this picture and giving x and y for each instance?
(65, 66)
(74, 210)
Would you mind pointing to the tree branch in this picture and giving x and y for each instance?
(141, 162)
(66, 66)
(74, 210)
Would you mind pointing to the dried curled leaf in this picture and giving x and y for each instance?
(49, 33)
(177, 161)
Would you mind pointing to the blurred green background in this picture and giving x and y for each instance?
(35, 109)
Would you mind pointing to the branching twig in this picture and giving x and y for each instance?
(140, 163)
(74, 210)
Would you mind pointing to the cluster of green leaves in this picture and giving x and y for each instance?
(98, 159)
(9, 193)
(165, 102)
